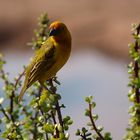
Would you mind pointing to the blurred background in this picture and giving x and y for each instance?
(100, 31)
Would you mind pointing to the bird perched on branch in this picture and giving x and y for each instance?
(50, 58)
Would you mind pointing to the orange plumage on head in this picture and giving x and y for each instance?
(61, 30)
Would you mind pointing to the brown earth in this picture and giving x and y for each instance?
(105, 26)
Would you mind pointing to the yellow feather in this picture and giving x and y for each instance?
(22, 93)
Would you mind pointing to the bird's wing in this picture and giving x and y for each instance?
(43, 61)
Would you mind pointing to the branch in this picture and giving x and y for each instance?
(136, 66)
(13, 95)
(93, 123)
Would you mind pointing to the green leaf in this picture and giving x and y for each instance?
(89, 99)
(66, 119)
(100, 128)
(107, 136)
(95, 117)
(78, 132)
(93, 104)
(49, 128)
(84, 130)
(87, 112)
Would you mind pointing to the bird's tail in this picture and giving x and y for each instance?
(22, 93)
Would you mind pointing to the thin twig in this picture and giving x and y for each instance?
(6, 84)
(12, 107)
(93, 123)
(35, 134)
(3, 77)
(53, 117)
(17, 81)
(13, 95)
(83, 137)
(54, 120)
(4, 112)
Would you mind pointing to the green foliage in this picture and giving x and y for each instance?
(41, 34)
(133, 132)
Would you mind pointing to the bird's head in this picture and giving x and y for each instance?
(59, 31)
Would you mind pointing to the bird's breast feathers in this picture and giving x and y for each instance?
(60, 56)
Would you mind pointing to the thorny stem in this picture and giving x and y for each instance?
(93, 123)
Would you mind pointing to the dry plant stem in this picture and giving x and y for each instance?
(93, 123)
(136, 67)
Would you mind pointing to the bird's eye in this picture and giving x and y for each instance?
(54, 32)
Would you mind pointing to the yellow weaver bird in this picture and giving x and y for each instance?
(50, 58)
